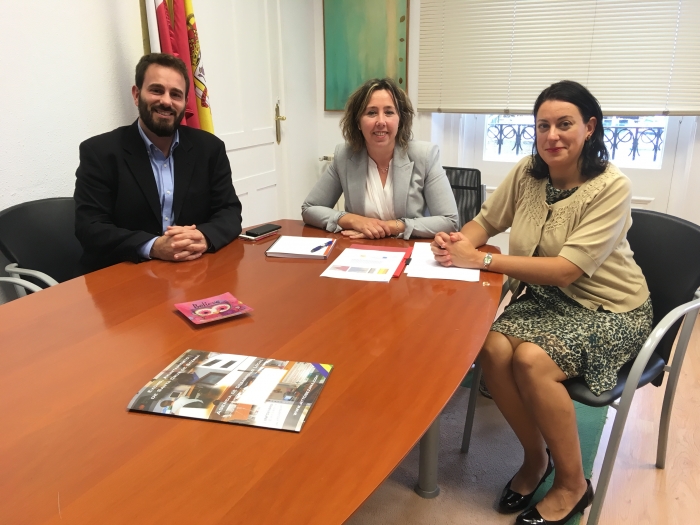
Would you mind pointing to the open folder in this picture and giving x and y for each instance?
(407, 253)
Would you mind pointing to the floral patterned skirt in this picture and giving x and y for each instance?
(582, 342)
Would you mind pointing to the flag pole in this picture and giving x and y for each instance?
(153, 34)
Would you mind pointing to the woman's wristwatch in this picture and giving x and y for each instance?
(487, 261)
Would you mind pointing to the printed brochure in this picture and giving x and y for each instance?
(238, 389)
(213, 308)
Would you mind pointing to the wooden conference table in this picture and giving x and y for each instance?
(72, 357)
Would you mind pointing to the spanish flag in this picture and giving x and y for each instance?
(165, 27)
(181, 49)
(178, 36)
(200, 83)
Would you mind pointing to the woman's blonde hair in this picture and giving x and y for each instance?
(357, 103)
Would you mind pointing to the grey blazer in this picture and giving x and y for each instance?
(423, 198)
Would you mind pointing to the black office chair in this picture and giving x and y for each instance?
(38, 238)
(468, 192)
(668, 251)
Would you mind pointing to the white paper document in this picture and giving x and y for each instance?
(423, 264)
(301, 247)
(364, 265)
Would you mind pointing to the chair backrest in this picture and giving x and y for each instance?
(466, 186)
(668, 251)
(40, 235)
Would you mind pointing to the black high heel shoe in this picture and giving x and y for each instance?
(512, 501)
(532, 516)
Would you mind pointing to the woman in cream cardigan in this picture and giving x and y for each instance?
(392, 186)
(585, 310)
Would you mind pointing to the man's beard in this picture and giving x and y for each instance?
(161, 128)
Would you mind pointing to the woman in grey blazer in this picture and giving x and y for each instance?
(393, 186)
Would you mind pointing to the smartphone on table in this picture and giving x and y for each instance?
(260, 232)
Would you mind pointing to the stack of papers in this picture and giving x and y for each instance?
(365, 265)
(423, 264)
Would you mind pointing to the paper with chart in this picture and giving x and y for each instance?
(364, 265)
(423, 264)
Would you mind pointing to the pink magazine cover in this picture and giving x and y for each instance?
(213, 308)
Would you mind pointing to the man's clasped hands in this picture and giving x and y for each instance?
(180, 243)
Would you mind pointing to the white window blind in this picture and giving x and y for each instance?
(638, 57)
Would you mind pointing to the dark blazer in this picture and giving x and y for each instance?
(117, 202)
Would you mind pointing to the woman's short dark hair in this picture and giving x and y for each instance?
(594, 156)
(357, 103)
(162, 59)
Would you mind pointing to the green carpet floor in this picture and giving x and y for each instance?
(590, 422)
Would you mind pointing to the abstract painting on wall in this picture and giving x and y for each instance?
(363, 39)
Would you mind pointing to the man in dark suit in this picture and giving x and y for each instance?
(154, 189)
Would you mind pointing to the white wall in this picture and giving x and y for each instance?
(68, 72)
(68, 69)
(691, 207)
(328, 121)
(684, 198)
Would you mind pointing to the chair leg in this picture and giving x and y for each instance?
(671, 385)
(613, 446)
(471, 408)
(607, 468)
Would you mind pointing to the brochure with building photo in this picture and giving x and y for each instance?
(238, 389)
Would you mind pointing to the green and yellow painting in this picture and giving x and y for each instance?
(363, 39)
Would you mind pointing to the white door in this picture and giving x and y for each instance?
(240, 53)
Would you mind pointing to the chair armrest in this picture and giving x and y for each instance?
(21, 282)
(14, 269)
(652, 341)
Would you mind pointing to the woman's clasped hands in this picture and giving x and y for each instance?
(359, 227)
(454, 249)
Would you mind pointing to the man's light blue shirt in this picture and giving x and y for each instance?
(164, 172)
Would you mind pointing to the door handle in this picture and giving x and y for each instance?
(278, 117)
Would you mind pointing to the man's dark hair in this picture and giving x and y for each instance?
(161, 59)
(594, 156)
(357, 103)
